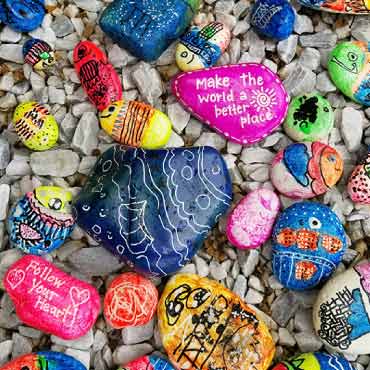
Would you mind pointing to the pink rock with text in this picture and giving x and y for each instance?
(50, 300)
(244, 102)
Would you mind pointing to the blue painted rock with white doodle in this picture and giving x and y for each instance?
(341, 314)
(308, 244)
(146, 28)
(273, 18)
(154, 208)
(22, 15)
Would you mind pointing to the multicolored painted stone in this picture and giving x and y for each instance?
(146, 28)
(153, 209)
(310, 118)
(203, 325)
(22, 15)
(244, 102)
(40, 222)
(305, 170)
(136, 124)
(349, 69)
(131, 300)
(50, 300)
(358, 186)
(39, 54)
(35, 126)
(98, 78)
(273, 18)
(341, 314)
(339, 6)
(202, 47)
(315, 361)
(45, 360)
(148, 363)
(250, 223)
(308, 244)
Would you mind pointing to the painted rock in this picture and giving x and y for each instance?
(22, 15)
(148, 363)
(154, 208)
(131, 300)
(273, 18)
(250, 223)
(136, 124)
(305, 170)
(98, 78)
(310, 118)
(50, 300)
(203, 325)
(244, 102)
(38, 54)
(349, 69)
(35, 126)
(358, 186)
(315, 361)
(339, 6)
(308, 244)
(44, 360)
(146, 28)
(202, 47)
(41, 222)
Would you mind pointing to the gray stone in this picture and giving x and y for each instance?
(351, 128)
(240, 286)
(6, 348)
(250, 263)
(138, 334)
(300, 80)
(217, 270)
(253, 296)
(21, 345)
(211, 139)
(83, 343)
(308, 342)
(18, 167)
(100, 340)
(82, 356)
(4, 200)
(85, 137)
(178, 116)
(62, 26)
(287, 48)
(324, 39)
(201, 266)
(126, 353)
(285, 338)
(12, 53)
(284, 307)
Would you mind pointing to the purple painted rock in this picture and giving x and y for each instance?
(250, 223)
(244, 102)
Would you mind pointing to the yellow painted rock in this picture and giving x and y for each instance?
(205, 326)
(136, 124)
(35, 126)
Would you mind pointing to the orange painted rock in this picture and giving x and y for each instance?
(131, 300)
(203, 325)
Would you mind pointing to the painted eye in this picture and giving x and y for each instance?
(111, 109)
(216, 169)
(55, 204)
(184, 54)
(352, 56)
(314, 223)
(25, 368)
(331, 158)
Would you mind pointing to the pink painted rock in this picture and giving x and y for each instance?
(50, 300)
(244, 102)
(250, 223)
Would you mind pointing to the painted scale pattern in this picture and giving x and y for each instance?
(148, 363)
(339, 6)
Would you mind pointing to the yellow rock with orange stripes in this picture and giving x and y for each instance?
(136, 124)
(35, 126)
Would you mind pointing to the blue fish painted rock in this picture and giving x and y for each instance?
(154, 208)
(308, 244)
(148, 363)
(22, 15)
(273, 18)
(147, 27)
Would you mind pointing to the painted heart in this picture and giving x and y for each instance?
(79, 296)
(15, 278)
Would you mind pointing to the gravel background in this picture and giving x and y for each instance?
(300, 62)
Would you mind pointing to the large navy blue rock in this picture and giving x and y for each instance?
(154, 208)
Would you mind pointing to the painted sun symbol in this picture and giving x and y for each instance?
(263, 99)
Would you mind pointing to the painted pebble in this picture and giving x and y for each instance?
(315, 361)
(50, 300)
(22, 15)
(154, 208)
(98, 78)
(45, 360)
(310, 118)
(203, 325)
(202, 47)
(148, 363)
(250, 224)
(39, 54)
(131, 300)
(136, 124)
(146, 28)
(339, 6)
(35, 126)
(41, 222)
(349, 69)
(306, 170)
(273, 18)
(308, 244)
(359, 182)
(244, 102)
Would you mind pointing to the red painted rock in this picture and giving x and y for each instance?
(50, 300)
(131, 300)
(98, 78)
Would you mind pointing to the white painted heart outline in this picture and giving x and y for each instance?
(15, 278)
(79, 296)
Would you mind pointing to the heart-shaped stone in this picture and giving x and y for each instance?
(244, 102)
(15, 278)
